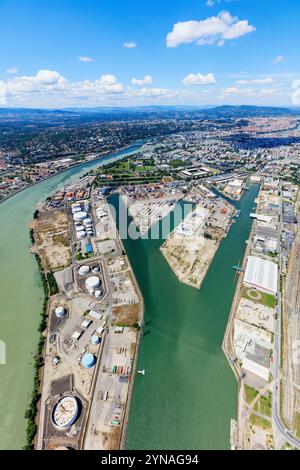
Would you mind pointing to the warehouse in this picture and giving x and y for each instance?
(257, 360)
(261, 274)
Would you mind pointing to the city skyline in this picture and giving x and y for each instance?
(66, 54)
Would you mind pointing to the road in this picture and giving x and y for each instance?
(281, 434)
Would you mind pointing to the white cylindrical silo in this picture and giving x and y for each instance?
(80, 235)
(84, 270)
(92, 283)
(60, 312)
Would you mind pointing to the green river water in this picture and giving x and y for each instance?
(21, 298)
(188, 395)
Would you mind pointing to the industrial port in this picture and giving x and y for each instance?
(93, 325)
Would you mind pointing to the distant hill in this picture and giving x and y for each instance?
(142, 112)
(252, 111)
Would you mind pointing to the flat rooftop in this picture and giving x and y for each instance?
(262, 274)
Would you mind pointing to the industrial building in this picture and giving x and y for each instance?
(261, 274)
(257, 360)
(195, 172)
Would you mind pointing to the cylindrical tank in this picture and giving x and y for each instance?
(98, 294)
(92, 283)
(87, 221)
(79, 228)
(79, 216)
(75, 210)
(65, 412)
(95, 340)
(60, 312)
(80, 235)
(84, 270)
(88, 360)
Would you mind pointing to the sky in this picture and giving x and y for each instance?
(85, 53)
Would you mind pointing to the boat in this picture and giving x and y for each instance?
(142, 372)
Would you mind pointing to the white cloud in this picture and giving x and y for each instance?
(212, 3)
(130, 45)
(198, 79)
(48, 88)
(2, 93)
(155, 92)
(12, 70)
(279, 59)
(213, 30)
(85, 59)
(147, 80)
(255, 81)
(296, 92)
(231, 91)
(47, 83)
(251, 92)
(44, 80)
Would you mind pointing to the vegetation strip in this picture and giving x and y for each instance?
(50, 288)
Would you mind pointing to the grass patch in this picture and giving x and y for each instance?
(250, 394)
(268, 300)
(260, 422)
(264, 405)
(298, 425)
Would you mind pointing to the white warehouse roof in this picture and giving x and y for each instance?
(262, 274)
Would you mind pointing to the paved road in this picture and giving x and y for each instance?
(281, 434)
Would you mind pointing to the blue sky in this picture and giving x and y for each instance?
(58, 53)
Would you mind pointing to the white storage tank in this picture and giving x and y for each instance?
(84, 270)
(95, 340)
(80, 235)
(75, 210)
(92, 283)
(79, 228)
(65, 412)
(98, 294)
(87, 221)
(79, 216)
(60, 312)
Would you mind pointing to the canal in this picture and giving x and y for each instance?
(189, 393)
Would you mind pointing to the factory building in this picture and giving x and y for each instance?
(261, 274)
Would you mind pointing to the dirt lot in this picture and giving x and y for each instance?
(126, 315)
(52, 239)
(189, 259)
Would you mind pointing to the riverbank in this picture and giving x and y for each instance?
(88, 326)
(76, 165)
(20, 313)
(181, 346)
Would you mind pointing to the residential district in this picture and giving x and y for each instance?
(95, 315)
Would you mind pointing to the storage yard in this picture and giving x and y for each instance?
(88, 357)
(148, 204)
(191, 247)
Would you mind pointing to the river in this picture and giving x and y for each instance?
(21, 297)
(189, 394)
